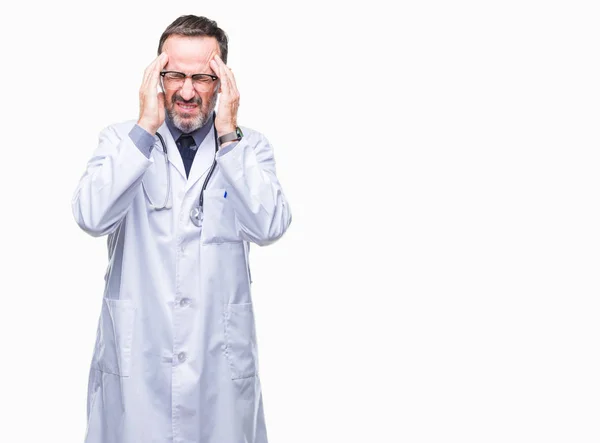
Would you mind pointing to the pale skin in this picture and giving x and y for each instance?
(190, 55)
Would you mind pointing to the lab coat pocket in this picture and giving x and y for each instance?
(240, 340)
(218, 224)
(115, 334)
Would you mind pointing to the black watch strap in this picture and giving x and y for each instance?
(232, 136)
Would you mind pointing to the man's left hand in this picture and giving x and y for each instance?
(229, 100)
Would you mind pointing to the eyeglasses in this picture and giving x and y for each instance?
(173, 80)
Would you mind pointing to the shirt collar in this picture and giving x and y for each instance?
(199, 134)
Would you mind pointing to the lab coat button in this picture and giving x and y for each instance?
(181, 357)
(184, 302)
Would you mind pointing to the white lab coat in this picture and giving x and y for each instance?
(175, 358)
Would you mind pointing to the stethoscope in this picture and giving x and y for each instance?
(197, 212)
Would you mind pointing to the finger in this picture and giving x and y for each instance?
(220, 69)
(228, 74)
(161, 62)
(216, 67)
(232, 91)
(164, 59)
(217, 70)
(231, 78)
(148, 70)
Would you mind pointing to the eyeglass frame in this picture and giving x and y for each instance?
(186, 76)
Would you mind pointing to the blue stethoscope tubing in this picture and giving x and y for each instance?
(196, 213)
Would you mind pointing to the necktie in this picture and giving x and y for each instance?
(187, 148)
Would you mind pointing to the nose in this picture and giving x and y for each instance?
(187, 91)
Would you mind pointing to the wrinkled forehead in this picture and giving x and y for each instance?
(190, 55)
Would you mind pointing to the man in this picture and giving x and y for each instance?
(176, 357)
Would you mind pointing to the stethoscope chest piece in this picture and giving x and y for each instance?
(196, 215)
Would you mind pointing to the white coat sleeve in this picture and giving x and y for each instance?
(107, 188)
(262, 211)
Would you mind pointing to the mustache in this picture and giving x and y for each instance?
(178, 98)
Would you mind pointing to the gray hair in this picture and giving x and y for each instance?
(194, 26)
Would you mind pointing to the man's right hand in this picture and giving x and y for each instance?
(152, 104)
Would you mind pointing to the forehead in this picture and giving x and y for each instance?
(190, 54)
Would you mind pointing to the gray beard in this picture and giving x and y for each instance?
(189, 125)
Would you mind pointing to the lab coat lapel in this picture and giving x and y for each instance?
(173, 152)
(203, 159)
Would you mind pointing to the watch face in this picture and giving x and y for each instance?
(238, 132)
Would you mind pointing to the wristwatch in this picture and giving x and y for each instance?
(232, 136)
